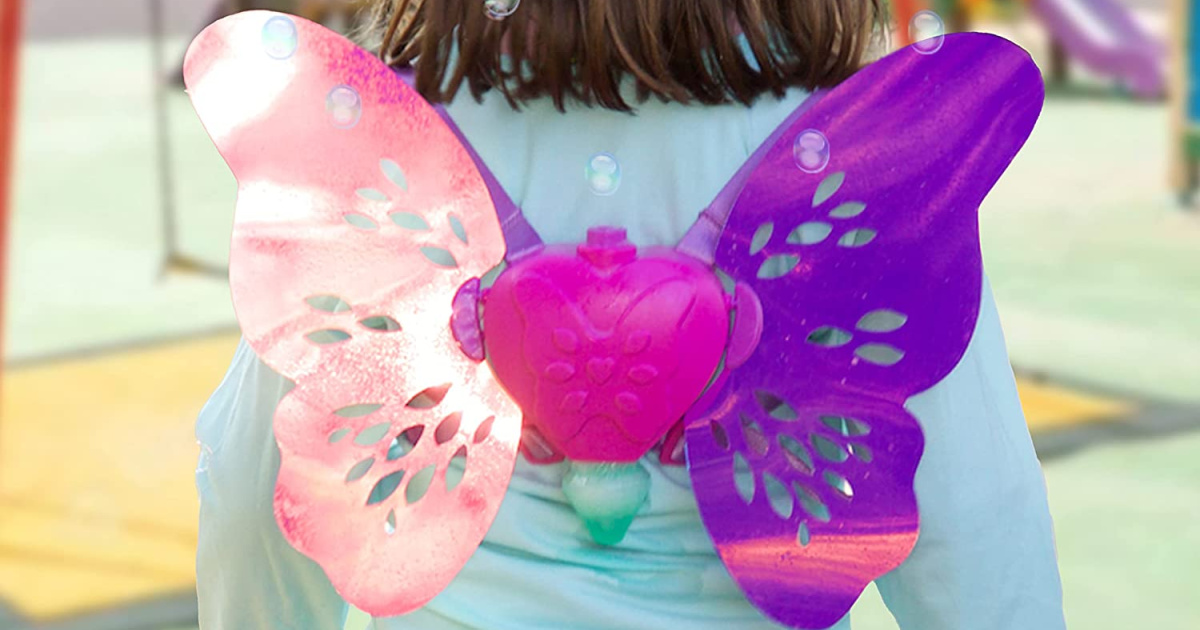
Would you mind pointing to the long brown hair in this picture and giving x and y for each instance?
(582, 50)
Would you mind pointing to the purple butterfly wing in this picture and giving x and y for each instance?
(869, 274)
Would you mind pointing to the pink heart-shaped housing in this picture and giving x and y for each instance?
(605, 348)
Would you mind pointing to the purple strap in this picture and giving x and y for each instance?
(519, 235)
(702, 238)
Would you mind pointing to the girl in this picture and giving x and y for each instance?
(675, 94)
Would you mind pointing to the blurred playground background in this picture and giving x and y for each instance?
(118, 322)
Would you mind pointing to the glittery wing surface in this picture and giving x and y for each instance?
(359, 216)
(869, 275)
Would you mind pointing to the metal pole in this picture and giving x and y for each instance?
(173, 258)
(10, 45)
(162, 132)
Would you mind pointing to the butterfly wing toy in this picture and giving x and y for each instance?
(360, 215)
(365, 224)
(869, 276)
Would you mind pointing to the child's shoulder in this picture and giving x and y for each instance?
(669, 157)
(492, 114)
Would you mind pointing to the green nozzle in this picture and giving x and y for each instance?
(606, 497)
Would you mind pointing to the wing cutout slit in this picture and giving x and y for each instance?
(429, 397)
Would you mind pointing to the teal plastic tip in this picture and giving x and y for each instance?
(608, 532)
(606, 497)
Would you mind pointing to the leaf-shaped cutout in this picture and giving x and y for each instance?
(327, 303)
(458, 228)
(762, 236)
(810, 233)
(409, 221)
(753, 435)
(743, 478)
(385, 487)
(430, 397)
(848, 427)
(883, 320)
(775, 406)
(802, 535)
(778, 266)
(405, 442)
(447, 428)
(381, 323)
(857, 238)
(879, 353)
(862, 452)
(439, 256)
(372, 434)
(418, 484)
(839, 483)
(457, 469)
(828, 187)
(358, 411)
(372, 194)
(327, 336)
(394, 173)
(389, 525)
(483, 430)
(778, 495)
(796, 454)
(358, 470)
(338, 435)
(829, 337)
(828, 449)
(848, 210)
(360, 221)
(397, 449)
(719, 435)
(811, 503)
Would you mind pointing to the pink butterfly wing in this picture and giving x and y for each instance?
(869, 275)
(359, 216)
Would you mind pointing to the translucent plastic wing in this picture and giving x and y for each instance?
(360, 215)
(868, 271)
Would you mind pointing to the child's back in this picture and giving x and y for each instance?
(985, 559)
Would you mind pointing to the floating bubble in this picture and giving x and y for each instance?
(927, 32)
(280, 38)
(500, 9)
(811, 151)
(344, 106)
(603, 174)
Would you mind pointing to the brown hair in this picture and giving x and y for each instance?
(582, 50)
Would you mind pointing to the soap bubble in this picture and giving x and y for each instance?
(280, 38)
(927, 32)
(500, 9)
(603, 174)
(811, 151)
(344, 105)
